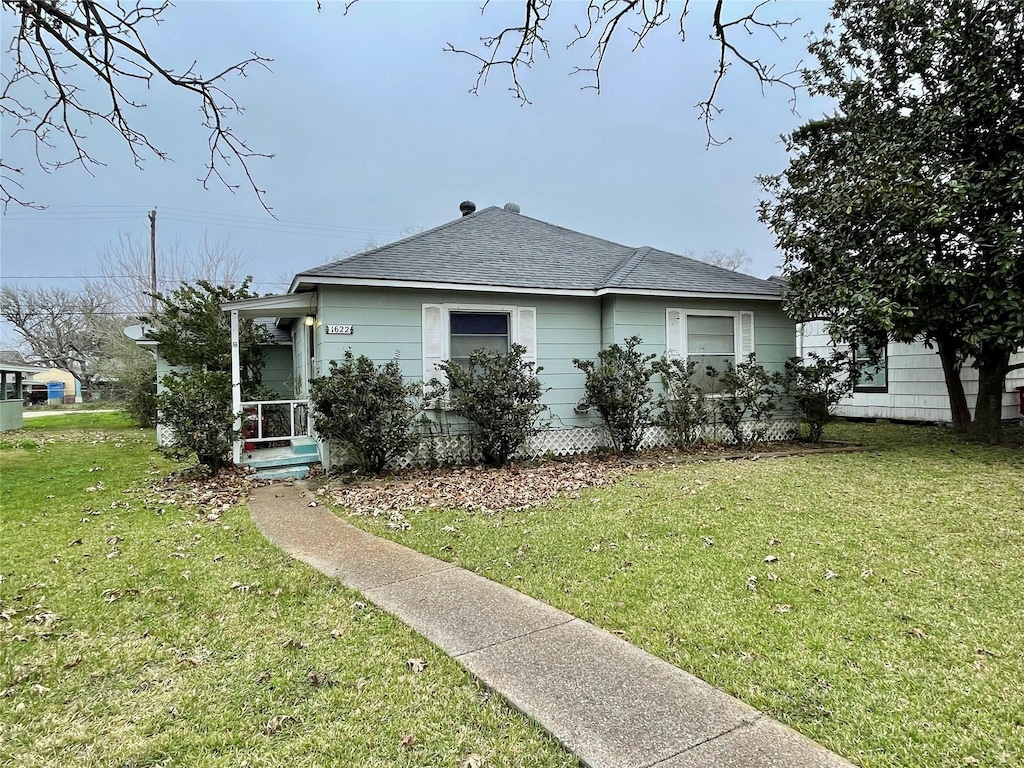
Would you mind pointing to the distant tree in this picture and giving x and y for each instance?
(125, 267)
(63, 328)
(737, 261)
(899, 216)
(59, 51)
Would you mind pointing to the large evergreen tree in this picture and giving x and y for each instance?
(900, 216)
(195, 337)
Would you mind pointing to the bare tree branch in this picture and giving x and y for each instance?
(513, 47)
(62, 49)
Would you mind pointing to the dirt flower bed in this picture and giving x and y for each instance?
(520, 486)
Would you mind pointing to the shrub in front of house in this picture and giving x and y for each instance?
(683, 407)
(139, 382)
(747, 399)
(817, 386)
(499, 395)
(196, 405)
(368, 409)
(618, 386)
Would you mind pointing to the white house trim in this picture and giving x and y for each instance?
(675, 330)
(436, 331)
(490, 288)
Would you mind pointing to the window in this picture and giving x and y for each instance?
(470, 331)
(873, 365)
(452, 331)
(709, 338)
(710, 341)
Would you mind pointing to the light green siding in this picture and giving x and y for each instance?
(644, 316)
(388, 321)
(278, 373)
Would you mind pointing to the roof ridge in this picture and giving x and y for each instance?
(393, 243)
(624, 267)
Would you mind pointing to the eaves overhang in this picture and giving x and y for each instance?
(362, 282)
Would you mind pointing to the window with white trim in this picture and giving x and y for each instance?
(709, 338)
(872, 369)
(452, 331)
(470, 331)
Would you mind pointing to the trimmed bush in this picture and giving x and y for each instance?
(368, 409)
(499, 394)
(683, 408)
(748, 399)
(196, 405)
(618, 386)
(816, 388)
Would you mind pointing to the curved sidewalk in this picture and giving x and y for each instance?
(606, 701)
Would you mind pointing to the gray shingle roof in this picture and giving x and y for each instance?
(497, 248)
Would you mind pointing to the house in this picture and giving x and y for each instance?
(495, 277)
(907, 384)
(13, 377)
(62, 387)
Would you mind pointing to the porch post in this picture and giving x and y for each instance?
(236, 388)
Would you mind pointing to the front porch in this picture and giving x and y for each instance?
(277, 439)
(275, 436)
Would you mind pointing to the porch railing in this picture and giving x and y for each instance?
(268, 421)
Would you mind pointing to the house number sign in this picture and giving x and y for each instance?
(345, 330)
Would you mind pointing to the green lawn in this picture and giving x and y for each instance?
(873, 601)
(138, 631)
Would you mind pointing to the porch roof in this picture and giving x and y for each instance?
(281, 305)
(7, 366)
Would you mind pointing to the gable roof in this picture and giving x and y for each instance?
(495, 248)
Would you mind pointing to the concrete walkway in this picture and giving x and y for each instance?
(605, 700)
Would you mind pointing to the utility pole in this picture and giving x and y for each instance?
(152, 261)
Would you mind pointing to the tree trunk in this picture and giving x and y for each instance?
(992, 365)
(959, 411)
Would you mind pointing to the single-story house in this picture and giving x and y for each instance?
(908, 383)
(13, 376)
(495, 277)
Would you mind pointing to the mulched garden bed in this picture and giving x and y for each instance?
(527, 484)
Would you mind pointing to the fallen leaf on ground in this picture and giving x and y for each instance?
(407, 741)
(416, 665)
(277, 722)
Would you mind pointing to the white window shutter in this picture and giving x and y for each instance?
(527, 332)
(746, 345)
(433, 342)
(674, 333)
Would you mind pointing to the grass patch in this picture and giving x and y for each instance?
(872, 601)
(75, 420)
(134, 632)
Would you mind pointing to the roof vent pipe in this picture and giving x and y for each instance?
(467, 207)
(512, 207)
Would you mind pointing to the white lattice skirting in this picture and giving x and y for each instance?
(164, 435)
(458, 448)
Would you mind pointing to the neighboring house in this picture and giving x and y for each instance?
(13, 376)
(908, 383)
(495, 277)
(62, 386)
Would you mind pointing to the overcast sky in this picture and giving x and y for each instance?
(374, 132)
